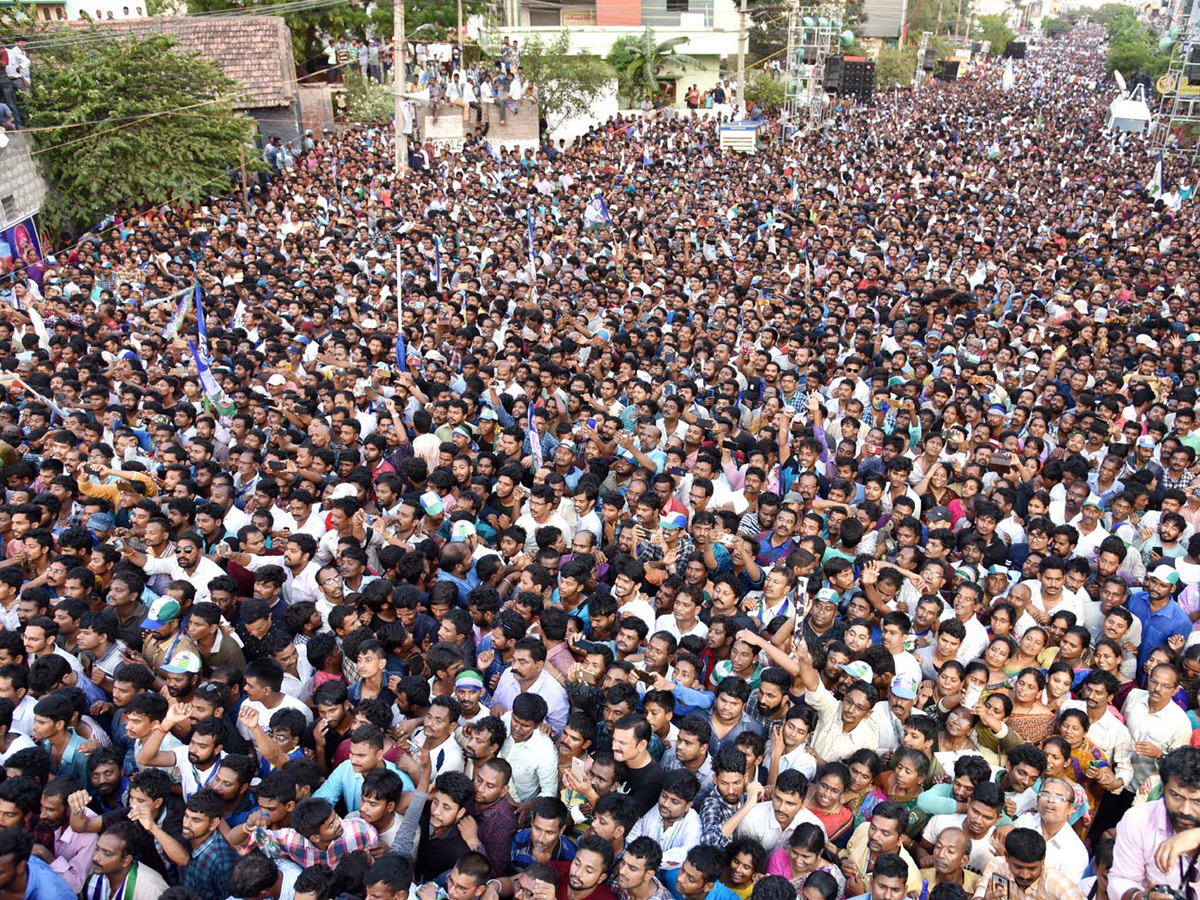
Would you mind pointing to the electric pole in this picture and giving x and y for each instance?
(741, 60)
(400, 62)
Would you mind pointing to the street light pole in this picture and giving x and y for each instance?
(400, 60)
(741, 58)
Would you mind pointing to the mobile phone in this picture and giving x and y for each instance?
(275, 465)
(971, 696)
(578, 769)
(644, 677)
(592, 423)
(999, 885)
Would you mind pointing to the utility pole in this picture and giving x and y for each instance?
(400, 61)
(741, 60)
(462, 64)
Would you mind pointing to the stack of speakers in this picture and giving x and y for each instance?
(1015, 49)
(850, 75)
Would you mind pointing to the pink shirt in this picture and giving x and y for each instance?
(1139, 834)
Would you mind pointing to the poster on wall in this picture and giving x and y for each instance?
(19, 241)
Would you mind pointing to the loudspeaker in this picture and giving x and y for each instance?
(976, 47)
(833, 74)
(1015, 49)
(946, 70)
(929, 61)
(858, 78)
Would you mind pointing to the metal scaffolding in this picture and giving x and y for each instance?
(1175, 130)
(814, 32)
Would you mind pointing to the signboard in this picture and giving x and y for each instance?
(739, 136)
(576, 17)
(19, 241)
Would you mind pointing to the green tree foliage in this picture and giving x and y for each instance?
(569, 83)
(766, 92)
(641, 63)
(942, 17)
(1132, 47)
(167, 127)
(367, 100)
(895, 67)
(1056, 27)
(996, 30)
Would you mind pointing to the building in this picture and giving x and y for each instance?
(255, 51)
(710, 27)
(37, 10)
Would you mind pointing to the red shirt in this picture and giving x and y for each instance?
(602, 891)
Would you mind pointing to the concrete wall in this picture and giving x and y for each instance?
(316, 107)
(281, 121)
(22, 189)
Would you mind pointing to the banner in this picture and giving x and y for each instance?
(19, 241)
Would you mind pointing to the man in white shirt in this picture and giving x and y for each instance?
(772, 822)
(528, 675)
(966, 602)
(1064, 850)
(438, 736)
(673, 822)
(1156, 724)
(531, 754)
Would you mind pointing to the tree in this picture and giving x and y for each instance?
(641, 63)
(766, 92)
(895, 68)
(994, 29)
(568, 83)
(167, 127)
(1056, 27)
(368, 100)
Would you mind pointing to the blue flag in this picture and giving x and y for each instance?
(201, 325)
(215, 397)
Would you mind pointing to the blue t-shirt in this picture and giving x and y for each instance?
(44, 883)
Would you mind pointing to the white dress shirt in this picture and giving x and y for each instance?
(676, 841)
(534, 764)
(1168, 728)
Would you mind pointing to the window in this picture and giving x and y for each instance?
(677, 5)
(8, 208)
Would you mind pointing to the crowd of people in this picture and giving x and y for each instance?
(814, 524)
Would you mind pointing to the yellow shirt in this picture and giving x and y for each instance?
(860, 852)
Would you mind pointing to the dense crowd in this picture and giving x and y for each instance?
(819, 523)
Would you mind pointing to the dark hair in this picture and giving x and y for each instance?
(393, 870)
(594, 843)
(775, 887)
(457, 787)
(647, 850)
(1025, 845)
(309, 815)
(708, 861)
(1182, 766)
(890, 865)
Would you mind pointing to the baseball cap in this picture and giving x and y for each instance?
(1146, 441)
(859, 670)
(904, 687)
(469, 679)
(828, 595)
(939, 514)
(1093, 500)
(276, 380)
(1163, 572)
(162, 611)
(100, 521)
(432, 503)
(673, 520)
(488, 414)
(461, 531)
(185, 662)
(1001, 570)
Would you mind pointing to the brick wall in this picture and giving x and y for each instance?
(22, 189)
